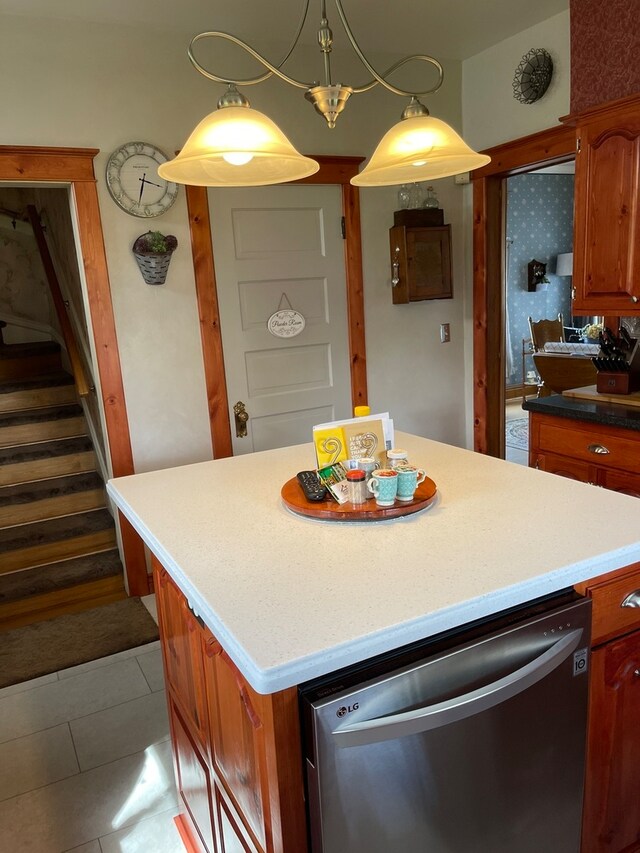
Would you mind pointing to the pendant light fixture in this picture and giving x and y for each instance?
(238, 146)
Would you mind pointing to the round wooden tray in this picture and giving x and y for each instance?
(330, 510)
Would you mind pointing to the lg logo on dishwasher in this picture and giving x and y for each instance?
(343, 710)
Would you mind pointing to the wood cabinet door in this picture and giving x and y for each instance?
(182, 651)
(256, 755)
(606, 271)
(238, 742)
(620, 481)
(420, 263)
(195, 790)
(564, 466)
(612, 791)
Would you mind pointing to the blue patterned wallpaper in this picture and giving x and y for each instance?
(540, 225)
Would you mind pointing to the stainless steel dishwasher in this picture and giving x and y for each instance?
(471, 743)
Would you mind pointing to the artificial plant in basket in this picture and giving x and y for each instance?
(153, 252)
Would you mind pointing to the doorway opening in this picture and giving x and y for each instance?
(71, 171)
(538, 225)
(547, 148)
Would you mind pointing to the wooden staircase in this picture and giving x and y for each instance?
(58, 549)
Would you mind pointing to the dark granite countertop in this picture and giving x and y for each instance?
(607, 414)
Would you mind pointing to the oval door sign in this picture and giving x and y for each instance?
(286, 323)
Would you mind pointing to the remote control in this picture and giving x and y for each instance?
(311, 486)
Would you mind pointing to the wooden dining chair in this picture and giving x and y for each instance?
(544, 331)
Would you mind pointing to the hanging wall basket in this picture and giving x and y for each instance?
(153, 252)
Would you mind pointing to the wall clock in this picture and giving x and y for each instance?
(134, 183)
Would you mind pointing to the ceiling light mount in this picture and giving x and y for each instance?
(195, 164)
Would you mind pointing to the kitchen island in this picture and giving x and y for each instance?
(280, 599)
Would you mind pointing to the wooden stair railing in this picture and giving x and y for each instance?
(77, 367)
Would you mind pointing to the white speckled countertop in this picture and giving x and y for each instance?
(292, 598)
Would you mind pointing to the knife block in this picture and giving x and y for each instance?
(625, 382)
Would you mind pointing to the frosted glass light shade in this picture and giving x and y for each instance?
(564, 264)
(237, 147)
(418, 148)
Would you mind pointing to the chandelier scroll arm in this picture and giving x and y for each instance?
(380, 78)
(249, 81)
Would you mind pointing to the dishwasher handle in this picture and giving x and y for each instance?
(460, 707)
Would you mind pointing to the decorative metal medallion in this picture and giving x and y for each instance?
(532, 76)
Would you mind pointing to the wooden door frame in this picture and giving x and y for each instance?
(546, 148)
(74, 167)
(333, 170)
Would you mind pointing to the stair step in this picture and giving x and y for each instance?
(26, 349)
(20, 361)
(46, 459)
(73, 599)
(53, 390)
(16, 586)
(35, 544)
(22, 504)
(46, 424)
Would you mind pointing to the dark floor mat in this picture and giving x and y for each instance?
(56, 644)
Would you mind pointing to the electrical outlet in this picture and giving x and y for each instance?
(445, 333)
(463, 178)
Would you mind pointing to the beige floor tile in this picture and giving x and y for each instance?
(123, 730)
(36, 760)
(73, 812)
(34, 710)
(157, 834)
(151, 666)
(91, 847)
(107, 661)
(28, 685)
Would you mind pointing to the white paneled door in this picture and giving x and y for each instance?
(281, 248)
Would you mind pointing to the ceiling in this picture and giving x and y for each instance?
(450, 29)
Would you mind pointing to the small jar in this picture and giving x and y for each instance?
(397, 457)
(404, 196)
(357, 480)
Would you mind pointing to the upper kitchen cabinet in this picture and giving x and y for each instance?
(606, 271)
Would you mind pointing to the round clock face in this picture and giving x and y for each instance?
(134, 183)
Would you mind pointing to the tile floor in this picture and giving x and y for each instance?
(514, 410)
(85, 760)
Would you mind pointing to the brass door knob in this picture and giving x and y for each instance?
(241, 418)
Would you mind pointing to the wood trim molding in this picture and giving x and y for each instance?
(208, 312)
(74, 166)
(551, 146)
(333, 170)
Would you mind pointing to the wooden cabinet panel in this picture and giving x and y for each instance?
(564, 466)
(610, 447)
(612, 793)
(237, 737)
(234, 836)
(620, 481)
(193, 782)
(421, 263)
(608, 592)
(181, 635)
(606, 272)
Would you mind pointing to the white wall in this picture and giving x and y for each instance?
(67, 83)
(490, 112)
(491, 115)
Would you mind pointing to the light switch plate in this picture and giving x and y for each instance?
(445, 333)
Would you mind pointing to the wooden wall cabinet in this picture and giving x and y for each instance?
(420, 263)
(612, 787)
(237, 753)
(603, 455)
(606, 250)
